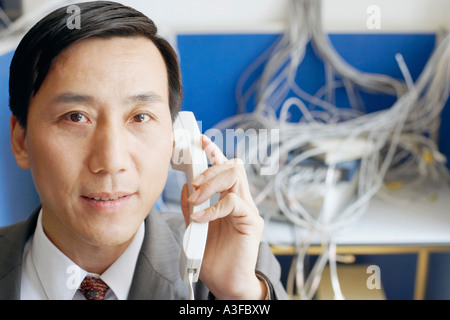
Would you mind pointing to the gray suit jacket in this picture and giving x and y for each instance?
(156, 275)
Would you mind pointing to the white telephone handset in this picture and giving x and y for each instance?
(188, 156)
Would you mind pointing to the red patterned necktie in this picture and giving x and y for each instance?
(93, 288)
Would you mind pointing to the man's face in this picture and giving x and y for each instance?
(99, 139)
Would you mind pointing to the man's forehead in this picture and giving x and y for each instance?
(109, 47)
(90, 71)
(129, 57)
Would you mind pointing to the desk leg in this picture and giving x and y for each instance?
(421, 274)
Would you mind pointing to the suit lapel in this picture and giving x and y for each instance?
(12, 244)
(157, 275)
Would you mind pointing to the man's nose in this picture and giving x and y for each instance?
(109, 149)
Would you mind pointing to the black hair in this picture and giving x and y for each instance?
(50, 36)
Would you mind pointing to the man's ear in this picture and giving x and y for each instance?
(18, 143)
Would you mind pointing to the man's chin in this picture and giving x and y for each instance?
(110, 230)
(110, 237)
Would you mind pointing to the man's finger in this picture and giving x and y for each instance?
(243, 216)
(224, 179)
(218, 169)
(212, 151)
(185, 203)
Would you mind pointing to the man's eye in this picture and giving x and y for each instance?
(142, 117)
(77, 117)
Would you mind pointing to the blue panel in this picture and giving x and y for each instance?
(18, 197)
(375, 53)
(212, 65)
(438, 282)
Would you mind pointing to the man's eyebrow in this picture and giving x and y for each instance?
(73, 97)
(144, 98)
(87, 99)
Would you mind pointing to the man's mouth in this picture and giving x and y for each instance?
(107, 201)
(107, 196)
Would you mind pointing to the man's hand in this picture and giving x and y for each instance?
(235, 228)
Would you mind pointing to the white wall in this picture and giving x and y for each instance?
(269, 15)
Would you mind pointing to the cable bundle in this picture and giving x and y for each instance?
(392, 145)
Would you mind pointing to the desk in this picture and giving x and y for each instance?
(422, 227)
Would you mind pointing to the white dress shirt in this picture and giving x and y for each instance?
(48, 274)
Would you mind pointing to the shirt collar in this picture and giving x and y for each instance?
(61, 277)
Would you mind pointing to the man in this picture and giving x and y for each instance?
(92, 112)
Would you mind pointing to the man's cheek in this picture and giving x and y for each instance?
(157, 174)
